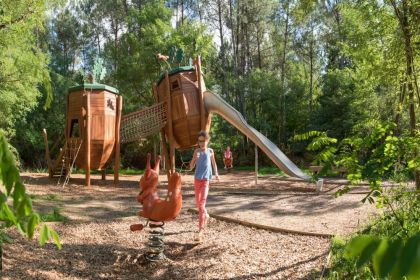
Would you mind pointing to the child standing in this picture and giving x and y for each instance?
(203, 159)
(228, 159)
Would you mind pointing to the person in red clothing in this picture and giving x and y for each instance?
(227, 158)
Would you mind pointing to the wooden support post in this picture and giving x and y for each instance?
(163, 159)
(256, 164)
(67, 128)
(117, 140)
(172, 155)
(201, 89)
(171, 162)
(87, 139)
(47, 154)
(165, 152)
(66, 135)
(103, 173)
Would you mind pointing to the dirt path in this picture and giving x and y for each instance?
(281, 202)
(97, 243)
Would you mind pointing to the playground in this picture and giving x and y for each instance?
(222, 139)
(97, 241)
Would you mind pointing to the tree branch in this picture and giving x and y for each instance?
(16, 20)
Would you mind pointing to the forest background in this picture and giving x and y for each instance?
(337, 66)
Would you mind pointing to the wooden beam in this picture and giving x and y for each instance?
(201, 89)
(259, 226)
(171, 161)
(117, 140)
(66, 134)
(47, 154)
(256, 165)
(87, 139)
(165, 151)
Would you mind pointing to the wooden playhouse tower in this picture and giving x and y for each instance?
(92, 131)
(182, 89)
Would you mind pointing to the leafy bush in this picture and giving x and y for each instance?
(20, 213)
(389, 247)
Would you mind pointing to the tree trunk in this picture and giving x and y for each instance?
(222, 43)
(233, 35)
(259, 49)
(182, 12)
(400, 105)
(402, 15)
(311, 70)
(282, 97)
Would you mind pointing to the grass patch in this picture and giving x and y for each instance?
(264, 170)
(125, 171)
(55, 216)
(51, 197)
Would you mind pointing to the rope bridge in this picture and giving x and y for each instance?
(142, 123)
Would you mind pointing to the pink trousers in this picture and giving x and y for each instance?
(201, 192)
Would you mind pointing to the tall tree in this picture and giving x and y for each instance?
(406, 12)
(23, 64)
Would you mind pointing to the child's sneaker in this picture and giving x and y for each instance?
(199, 236)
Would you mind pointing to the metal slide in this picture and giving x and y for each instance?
(215, 104)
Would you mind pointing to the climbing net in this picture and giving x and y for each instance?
(140, 124)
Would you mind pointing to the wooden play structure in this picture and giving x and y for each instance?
(178, 114)
(182, 89)
(92, 131)
(183, 108)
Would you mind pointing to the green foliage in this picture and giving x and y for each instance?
(29, 140)
(388, 248)
(51, 197)
(23, 64)
(325, 148)
(99, 71)
(20, 213)
(55, 216)
(371, 156)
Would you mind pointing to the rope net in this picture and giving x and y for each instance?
(140, 124)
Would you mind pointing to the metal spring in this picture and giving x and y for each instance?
(155, 243)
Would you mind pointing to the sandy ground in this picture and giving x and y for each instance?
(97, 242)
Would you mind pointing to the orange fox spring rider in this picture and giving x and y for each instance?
(157, 210)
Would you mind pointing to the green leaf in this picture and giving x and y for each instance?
(19, 191)
(43, 235)
(32, 224)
(56, 238)
(367, 252)
(8, 214)
(356, 246)
(410, 257)
(21, 228)
(386, 257)
(3, 198)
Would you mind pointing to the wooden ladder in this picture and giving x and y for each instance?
(71, 151)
